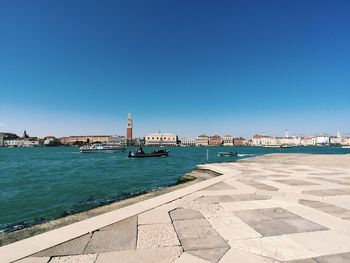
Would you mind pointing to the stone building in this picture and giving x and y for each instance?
(228, 140)
(85, 139)
(202, 140)
(308, 140)
(117, 140)
(188, 142)
(240, 142)
(263, 140)
(215, 140)
(160, 139)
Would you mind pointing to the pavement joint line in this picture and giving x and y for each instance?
(24, 248)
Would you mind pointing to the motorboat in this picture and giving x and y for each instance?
(346, 147)
(227, 154)
(139, 153)
(285, 146)
(102, 148)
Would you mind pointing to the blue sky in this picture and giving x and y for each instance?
(188, 67)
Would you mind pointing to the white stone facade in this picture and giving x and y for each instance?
(322, 140)
(308, 141)
(263, 140)
(21, 143)
(117, 140)
(188, 142)
(202, 140)
(158, 139)
(228, 140)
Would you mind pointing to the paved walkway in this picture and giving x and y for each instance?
(253, 213)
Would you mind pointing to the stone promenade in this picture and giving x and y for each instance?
(278, 208)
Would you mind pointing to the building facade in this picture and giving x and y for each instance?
(345, 141)
(117, 140)
(322, 140)
(85, 139)
(21, 143)
(263, 140)
(228, 140)
(49, 140)
(240, 142)
(215, 140)
(202, 140)
(290, 141)
(161, 139)
(188, 142)
(308, 141)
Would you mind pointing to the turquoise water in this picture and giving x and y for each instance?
(41, 184)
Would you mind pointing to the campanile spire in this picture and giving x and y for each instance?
(129, 128)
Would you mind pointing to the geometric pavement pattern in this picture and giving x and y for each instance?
(267, 213)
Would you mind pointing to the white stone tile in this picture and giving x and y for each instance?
(159, 255)
(276, 247)
(88, 258)
(323, 242)
(232, 228)
(211, 210)
(34, 260)
(187, 258)
(154, 216)
(157, 235)
(239, 256)
(256, 204)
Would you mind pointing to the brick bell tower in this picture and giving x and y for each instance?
(129, 129)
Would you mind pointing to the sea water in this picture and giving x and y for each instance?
(44, 183)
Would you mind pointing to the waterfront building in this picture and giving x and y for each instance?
(21, 143)
(188, 142)
(334, 140)
(49, 140)
(117, 140)
(84, 139)
(9, 136)
(1, 140)
(129, 129)
(308, 140)
(161, 139)
(202, 140)
(215, 140)
(240, 142)
(263, 140)
(345, 141)
(290, 141)
(322, 140)
(228, 140)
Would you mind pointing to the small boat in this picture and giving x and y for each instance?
(102, 148)
(346, 147)
(285, 146)
(227, 154)
(271, 146)
(139, 153)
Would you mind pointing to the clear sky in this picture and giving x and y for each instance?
(188, 67)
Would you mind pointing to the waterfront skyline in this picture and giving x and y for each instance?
(230, 68)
